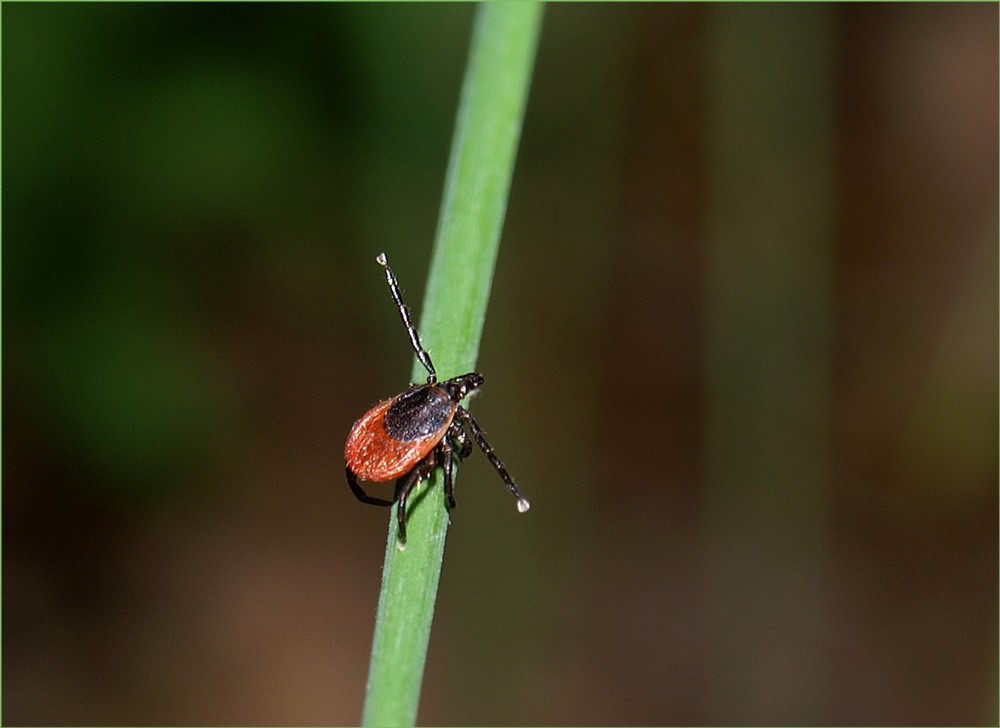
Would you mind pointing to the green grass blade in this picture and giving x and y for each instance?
(488, 125)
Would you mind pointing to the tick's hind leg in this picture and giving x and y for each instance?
(405, 485)
(352, 480)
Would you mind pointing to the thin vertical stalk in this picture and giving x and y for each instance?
(484, 146)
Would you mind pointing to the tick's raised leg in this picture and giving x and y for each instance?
(407, 484)
(463, 414)
(404, 312)
(352, 480)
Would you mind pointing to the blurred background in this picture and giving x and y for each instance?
(741, 353)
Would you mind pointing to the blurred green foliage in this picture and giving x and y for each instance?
(153, 156)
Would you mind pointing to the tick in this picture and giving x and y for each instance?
(405, 437)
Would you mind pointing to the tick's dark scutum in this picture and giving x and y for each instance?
(419, 413)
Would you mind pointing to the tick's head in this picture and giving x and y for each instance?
(460, 387)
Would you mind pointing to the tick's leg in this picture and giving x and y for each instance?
(404, 312)
(449, 483)
(352, 480)
(463, 414)
(456, 436)
(456, 432)
(408, 483)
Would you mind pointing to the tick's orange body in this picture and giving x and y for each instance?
(375, 455)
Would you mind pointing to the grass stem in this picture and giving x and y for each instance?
(484, 146)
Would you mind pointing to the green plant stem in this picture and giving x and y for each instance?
(484, 146)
